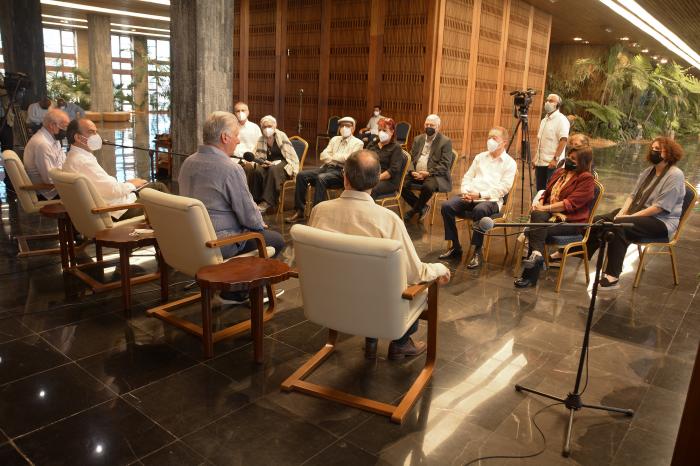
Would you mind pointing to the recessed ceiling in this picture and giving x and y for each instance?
(124, 5)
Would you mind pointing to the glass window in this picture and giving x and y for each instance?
(67, 38)
(52, 40)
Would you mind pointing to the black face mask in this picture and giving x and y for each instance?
(429, 131)
(61, 135)
(570, 165)
(655, 156)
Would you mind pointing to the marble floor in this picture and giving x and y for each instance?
(80, 383)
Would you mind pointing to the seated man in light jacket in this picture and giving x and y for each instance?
(356, 213)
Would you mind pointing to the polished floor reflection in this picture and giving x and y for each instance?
(80, 383)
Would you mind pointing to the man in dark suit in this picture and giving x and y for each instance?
(431, 157)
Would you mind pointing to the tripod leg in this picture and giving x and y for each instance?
(567, 443)
(626, 412)
(520, 388)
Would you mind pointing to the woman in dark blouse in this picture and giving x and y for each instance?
(391, 160)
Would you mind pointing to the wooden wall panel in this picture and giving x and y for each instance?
(236, 53)
(537, 72)
(454, 74)
(261, 58)
(303, 63)
(403, 61)
(518, 25)
(349, 58)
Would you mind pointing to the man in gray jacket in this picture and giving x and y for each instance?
(431, 156)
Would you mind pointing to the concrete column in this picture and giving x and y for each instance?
(23, 44)
(140, 74)
(82, 49)
(100, 51)
(201, 56)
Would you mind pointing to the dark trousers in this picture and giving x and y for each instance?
(321, 179)
(644, 227)
(458, 207)
(134, 212)
(272, 238)
(266, 182)
(537, 236)
(542, 175)
(427, 187)
(406, 336)
(383, 188)
(6, 138)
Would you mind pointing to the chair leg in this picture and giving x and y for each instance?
(518, 255)
(505, 241)
(560, 276)
(434, 207)
(313, 363)
(640, 267)
(487, 247)
(585, 264)
(674, 265)
(280, 207)
(207, 341)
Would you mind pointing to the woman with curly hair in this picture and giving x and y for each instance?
(653, 208)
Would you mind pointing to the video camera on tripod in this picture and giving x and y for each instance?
(522, 101)
(15, 81)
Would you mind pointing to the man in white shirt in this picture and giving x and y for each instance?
(44, 152)
(83, 139)
(248, 132)
(330, 174)
(372, 127)
(551, 141)
(356, 213)
(36, 113)
(488, 180)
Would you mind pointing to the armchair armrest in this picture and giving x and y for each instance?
(217, 243)
(36, 187)
(294, 272)
(112, 208)
(412, 291)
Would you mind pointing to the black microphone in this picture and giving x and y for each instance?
(249, 157)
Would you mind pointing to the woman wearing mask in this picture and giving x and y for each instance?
(281, 164)
(653, 208)
(391, 160)
(567, 198)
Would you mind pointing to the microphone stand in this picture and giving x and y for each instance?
(301, 103)
(573, 401)
(152, 153)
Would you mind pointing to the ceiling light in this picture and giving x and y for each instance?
(608, 29)
(578, 39)
(663, 60)
(634, 44)
(624, 38)
(75, 20)
(64, 21)
(655, 57)
(138, 33)
(586, 42)
(139, 27)
(97, 9)
(159, 2)
(678, 47)
(64, 26)
(645, 50)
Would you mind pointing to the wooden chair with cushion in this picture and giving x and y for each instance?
(332, 267)
(302, 148)
(90, 215)
(403, 132)
(27, 197)
(646, 245)
(188, 248)
(394, 199)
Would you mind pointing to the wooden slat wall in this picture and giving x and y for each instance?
(236, 53)
(349, 56)
(457, 58)
(261, 59)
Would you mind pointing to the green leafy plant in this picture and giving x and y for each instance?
(75, 89)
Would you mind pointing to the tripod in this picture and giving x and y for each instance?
(523, 125)
(573, 401)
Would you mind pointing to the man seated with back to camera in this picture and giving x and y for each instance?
(356, 213)
(84, 140)
(330, 174)
(431, 156)
(211, 176)
(488, 180)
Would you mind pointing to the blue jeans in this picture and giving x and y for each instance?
(404, 339)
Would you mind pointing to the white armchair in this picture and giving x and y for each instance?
(357, 285)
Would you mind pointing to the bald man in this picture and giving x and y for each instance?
(44, 152)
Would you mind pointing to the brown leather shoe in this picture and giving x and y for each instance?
(297, 217)
(410, 348)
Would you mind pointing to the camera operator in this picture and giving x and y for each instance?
(6, 124)
(551, 141)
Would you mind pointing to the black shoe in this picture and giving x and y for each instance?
(423, 213)
(452, 253)
(529, 278)
(475, 263)
(524, 283)
(370, 348)
(297, 217)
(409, 215)
(535, 260)
(607, 284)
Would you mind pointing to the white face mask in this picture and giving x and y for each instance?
(492, 145)
(242, 116)
(384, 136)
(549, 107)
(94, 142)
(345, 131)
(376, 113)
(269, 132)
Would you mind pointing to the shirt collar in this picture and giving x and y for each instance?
(79, 150)
(358, 195)
(207, 149)
(553, 114)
